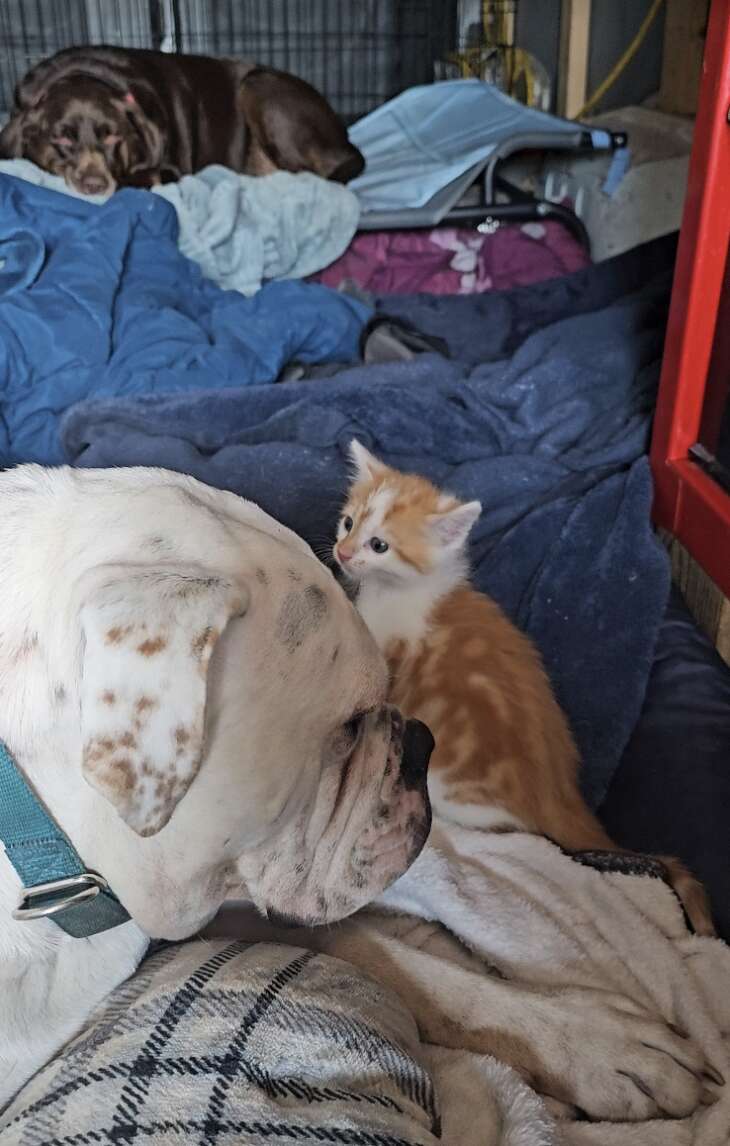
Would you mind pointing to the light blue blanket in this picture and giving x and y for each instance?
(426, 138)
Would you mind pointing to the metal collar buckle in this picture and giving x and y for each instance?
(88, 886)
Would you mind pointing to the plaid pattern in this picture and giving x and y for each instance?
(222, 1043)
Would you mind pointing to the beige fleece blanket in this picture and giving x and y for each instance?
(515, 905)
(539, 916)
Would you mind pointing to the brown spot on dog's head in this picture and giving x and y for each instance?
(108, 697)
(202, 644)
(117, 633)
(152, 646)
(120, 774)
(144, 704)
(300, 615)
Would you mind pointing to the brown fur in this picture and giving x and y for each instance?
(104, 117)
(502, 740)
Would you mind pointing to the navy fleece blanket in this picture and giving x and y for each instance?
(548, 430)
(97, 300)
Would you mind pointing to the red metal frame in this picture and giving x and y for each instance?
(687, 500)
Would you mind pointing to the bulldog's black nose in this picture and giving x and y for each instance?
(418, 744)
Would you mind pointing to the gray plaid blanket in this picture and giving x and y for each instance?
(222, 1043)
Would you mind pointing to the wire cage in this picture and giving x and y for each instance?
(358, 53)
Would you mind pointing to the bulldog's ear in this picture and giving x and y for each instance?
(365, 465)
(149, 636)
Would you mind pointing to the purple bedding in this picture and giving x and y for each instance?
(456, 261)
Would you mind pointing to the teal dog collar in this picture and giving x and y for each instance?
(56, 885)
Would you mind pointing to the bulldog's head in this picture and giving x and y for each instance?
(222, 707)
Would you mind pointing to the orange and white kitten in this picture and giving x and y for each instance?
(504, 757)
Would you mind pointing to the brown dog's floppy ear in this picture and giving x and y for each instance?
(149, 635)
(11, 137)
(148, 152)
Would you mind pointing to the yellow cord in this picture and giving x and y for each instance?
(621, 64)
(497, 41)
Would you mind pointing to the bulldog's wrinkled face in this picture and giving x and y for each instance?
(234, 721)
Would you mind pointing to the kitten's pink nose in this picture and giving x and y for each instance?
(344, 554)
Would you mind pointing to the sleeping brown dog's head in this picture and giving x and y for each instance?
(82, 131)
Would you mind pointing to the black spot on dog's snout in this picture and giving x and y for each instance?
(299, 616)
(262, 577)
(418, 744)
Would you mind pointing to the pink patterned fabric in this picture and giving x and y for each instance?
(456, 261)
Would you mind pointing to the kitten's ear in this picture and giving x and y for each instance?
(451, 528)
(367, 467)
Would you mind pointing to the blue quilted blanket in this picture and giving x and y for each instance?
(98, 301)
(542, 413)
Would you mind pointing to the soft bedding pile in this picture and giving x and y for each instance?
(243, 230)
(98, 300)
(542, 413)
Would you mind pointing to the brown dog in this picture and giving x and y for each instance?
(116, 117)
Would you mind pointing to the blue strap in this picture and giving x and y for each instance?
(40, 853)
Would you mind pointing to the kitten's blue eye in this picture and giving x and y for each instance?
(347, 524)
(378, 545)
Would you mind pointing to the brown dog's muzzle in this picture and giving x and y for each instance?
(90, 174)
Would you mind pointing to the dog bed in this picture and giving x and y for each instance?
(455, 261)
(225, 1042)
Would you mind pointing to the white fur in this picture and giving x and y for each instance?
(130, 585)
(394, 599)
(485, 817)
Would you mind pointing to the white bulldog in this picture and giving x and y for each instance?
(201, 710)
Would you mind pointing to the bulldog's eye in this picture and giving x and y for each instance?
(378, 545)
(347, 524)
(354, 725)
